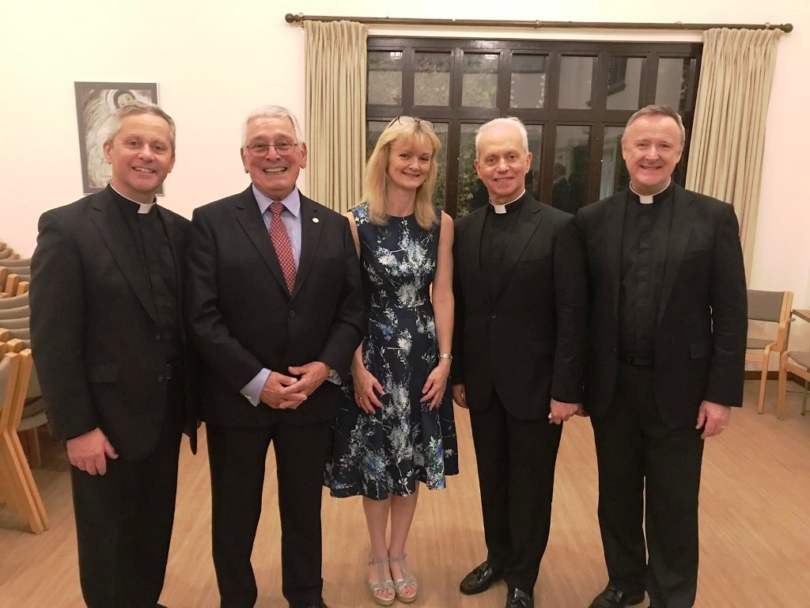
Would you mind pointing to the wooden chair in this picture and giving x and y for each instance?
(16, 263)
(772, 307)
(22, 312)
(19, 490)
(14, 282)
(34, 415)
(14, 301)
(9, 323)
(796, 362)
(7, 334)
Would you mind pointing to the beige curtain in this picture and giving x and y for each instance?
(335, 112)
(728, 137)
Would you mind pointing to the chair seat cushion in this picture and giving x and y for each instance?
(800, 357)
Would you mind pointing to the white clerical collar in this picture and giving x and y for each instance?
(499, 209)
(647, 199)
(143, 208)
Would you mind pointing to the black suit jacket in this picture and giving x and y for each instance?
(527, 342)
(94, 329)
(244, 319)
(702, 318)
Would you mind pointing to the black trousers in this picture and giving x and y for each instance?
(237, 458)
(646, 467)
(124, 524)
(516, 460)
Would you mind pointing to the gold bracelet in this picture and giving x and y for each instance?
(447, 356)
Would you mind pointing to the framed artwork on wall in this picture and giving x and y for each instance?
(95, 104)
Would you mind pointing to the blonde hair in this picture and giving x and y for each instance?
(375, 183)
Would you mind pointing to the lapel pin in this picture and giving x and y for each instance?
(315, 220)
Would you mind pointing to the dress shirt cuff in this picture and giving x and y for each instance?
(252, 391)
(334, 378)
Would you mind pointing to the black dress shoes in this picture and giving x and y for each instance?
(519, 599)
(480, 579)
(612, 597)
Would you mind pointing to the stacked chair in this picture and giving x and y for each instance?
(15, 273)
(19, 491)
(22, 407)
(15, 335)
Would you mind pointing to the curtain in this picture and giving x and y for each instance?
(335, 112)
(728, 136)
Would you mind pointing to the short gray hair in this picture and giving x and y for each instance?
(137, 108)
(272, 112)
(659, 110)
(509, 120)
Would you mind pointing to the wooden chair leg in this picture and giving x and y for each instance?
(22, 494)
(36, 499)
(34, 453)
(782, 389)
(763, 380)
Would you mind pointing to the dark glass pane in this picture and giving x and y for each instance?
(431, 85)
(480, 82)
(624, 82)
(673, 82)
(374, 129)
(614, 171)
(535, 147)
(571, 166)
(471, 191)
(385, 78)
(528, 88)
(440, 128)
(576, 74)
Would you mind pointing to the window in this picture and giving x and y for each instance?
(573, 97)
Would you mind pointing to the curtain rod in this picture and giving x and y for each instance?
(300, 18)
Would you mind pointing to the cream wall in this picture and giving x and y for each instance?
(215, 61)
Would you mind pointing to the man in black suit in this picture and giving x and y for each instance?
(276, 309)
(110, 349)
(519, 355)
(666, 360)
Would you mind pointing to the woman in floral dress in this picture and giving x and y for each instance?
(395, 427)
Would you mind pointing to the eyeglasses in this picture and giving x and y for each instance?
(409, 120)
(261, 148)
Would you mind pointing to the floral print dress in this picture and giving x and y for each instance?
(388, 452)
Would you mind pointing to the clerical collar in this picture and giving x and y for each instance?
(143, 208)
(510, 207)
(648, 199)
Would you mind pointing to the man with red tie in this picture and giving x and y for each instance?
(276, 309)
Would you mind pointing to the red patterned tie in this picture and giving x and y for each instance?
(281, 243)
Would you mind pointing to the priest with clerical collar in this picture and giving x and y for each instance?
(519, 349)
(113, 359)
(666, 360)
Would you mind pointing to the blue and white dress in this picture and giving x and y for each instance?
(388, 452)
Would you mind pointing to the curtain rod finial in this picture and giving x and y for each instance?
(290, 18)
